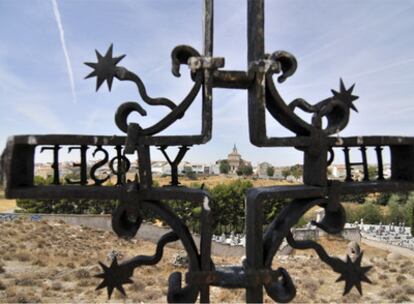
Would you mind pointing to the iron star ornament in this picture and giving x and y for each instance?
(353, 274)
(105, 68)
(114, 276)
(345, 95)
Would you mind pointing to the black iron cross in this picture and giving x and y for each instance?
(312, 138)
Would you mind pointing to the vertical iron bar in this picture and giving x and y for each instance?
(255, 30)
(208, 27)
(255, 52)
(378, 149)
(205, 246)
(254, 244)
(144, 163)
(205, 240)
(256, 104)
(120, 174)
(55, 166)
(347, 165)
(364, 162)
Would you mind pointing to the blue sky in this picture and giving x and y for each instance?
(368, 42)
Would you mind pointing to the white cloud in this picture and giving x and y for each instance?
(64, 48)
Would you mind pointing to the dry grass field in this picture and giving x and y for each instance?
(6, 204)
(213, 180)
(54, 262)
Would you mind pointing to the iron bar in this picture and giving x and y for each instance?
(380, 166)
(364, 162)
(256, 93)
(208, 27)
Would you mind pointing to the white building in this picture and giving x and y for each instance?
(160, 167)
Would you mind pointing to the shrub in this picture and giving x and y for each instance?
(383, 198)
(370, 212)
(395, 213)
(353, 198)
(227, 207)
(270, 171)
(224, 167)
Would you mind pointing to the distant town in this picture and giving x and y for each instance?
(234, 164)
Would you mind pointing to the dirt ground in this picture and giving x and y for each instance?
(54, 262)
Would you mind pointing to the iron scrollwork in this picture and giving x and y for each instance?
(312, 138)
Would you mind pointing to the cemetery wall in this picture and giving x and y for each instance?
(348, 233)
(146, 232)
(153, 233)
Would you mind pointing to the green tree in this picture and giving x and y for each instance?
(354, 198)
(371, 213)
(270, 171)
(296, 171)
(189, 173)
(395, 213)
(247, 170)
(400, 198)
(286, 172)
(372, 172)
(79, 206)
(224, 166)
(383, 198)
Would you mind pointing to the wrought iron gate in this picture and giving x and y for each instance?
(312, 138)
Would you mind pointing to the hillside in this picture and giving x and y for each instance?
(54, 262)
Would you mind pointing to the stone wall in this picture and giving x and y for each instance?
(153, 233)
(146, 232)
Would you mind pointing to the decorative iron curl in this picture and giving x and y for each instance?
(126, 222)
(350, 272)
(180, 55)
(283, 290)
(106, 69)
(333, 222)
(335, 109)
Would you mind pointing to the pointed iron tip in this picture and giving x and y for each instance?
(110, 50)
(98, 55)
(110, 291)
(342, 84)
(354, 108)
(122, 290)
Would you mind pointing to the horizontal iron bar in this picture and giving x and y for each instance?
(233, 277)
(106, 192)
(304, 192)
(299, 141)
(356, 164)
(373, 141)
(67, 139)
(183, 193)
(231, 79)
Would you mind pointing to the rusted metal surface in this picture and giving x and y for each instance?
(317, 142)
